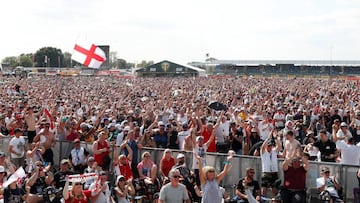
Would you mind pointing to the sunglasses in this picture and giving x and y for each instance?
(211, 171)
(176, 176)
(78, 183)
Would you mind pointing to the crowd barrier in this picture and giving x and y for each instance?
(346, 174)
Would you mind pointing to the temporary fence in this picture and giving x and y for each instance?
(346, 174)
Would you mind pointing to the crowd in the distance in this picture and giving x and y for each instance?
(295, 119)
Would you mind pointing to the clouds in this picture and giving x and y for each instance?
(185, 30)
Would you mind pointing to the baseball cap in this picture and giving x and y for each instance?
(83, 125)
(325, 169)
(102, 173)
(160, 123)
(127, 128)
(343, 124)
(76, 140)
(2, 169)
(90, 159)
(120, 177)
(270, 142)
(180, 155)
(2, 154)
(64, 161)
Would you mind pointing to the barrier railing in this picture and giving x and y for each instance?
(346, 174)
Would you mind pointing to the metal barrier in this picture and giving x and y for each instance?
(346, 174)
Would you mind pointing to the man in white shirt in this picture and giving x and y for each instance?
(350, 153)
(100, 191)
(17, 148)
(329, 184)
(269, 163)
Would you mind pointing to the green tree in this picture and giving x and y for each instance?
(49, 57)
(26, 60)
(67, 60)
(121, 63)
(11, 61)
(113, 60)
(145, 63)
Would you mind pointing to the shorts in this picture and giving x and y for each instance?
(270, 180)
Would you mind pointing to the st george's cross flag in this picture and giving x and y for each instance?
(88, 54)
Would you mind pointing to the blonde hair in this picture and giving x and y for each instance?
(206, 169)
(165, 151)
(143, 154)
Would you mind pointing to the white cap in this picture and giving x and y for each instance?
(127, 128)
(180, 155)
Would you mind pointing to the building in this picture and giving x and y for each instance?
(170, 69)
(302, 68)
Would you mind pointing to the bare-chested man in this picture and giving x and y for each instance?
(47, 140)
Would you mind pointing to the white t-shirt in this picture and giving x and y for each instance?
(181, 137)
(350, 154)
(265, 129)
(329, 184)
(104, 197)
(200, 151)
(18, 144)
(223, 131)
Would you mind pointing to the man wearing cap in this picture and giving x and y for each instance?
(252, 184)
(161, 136)
(295, 169)
(60, 175)
(269, 163)
(185, 175)
(339, 135)
(182, 135)
(78, 157)
(17, 148)
(174, 191)
(329, 184)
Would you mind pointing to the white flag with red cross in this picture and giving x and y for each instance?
(88, 54)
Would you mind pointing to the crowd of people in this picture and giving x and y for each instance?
(294, 119)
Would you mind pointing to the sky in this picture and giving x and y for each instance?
(185, 31)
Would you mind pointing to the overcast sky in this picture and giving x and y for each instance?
(184, 31)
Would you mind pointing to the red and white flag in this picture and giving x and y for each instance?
(88, 54)
(19, 174)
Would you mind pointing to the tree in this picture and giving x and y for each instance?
(145, 63)
(113, 61)
(67, 60)
(49, 57)
(121, 63)
(11, 61)
(26, 60)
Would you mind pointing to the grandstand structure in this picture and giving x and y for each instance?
(302, 68)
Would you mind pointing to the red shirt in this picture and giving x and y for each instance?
(167, 165)
(100, 157)
(295, 179)
(86, 194)
(126, 171)
(206, 134)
